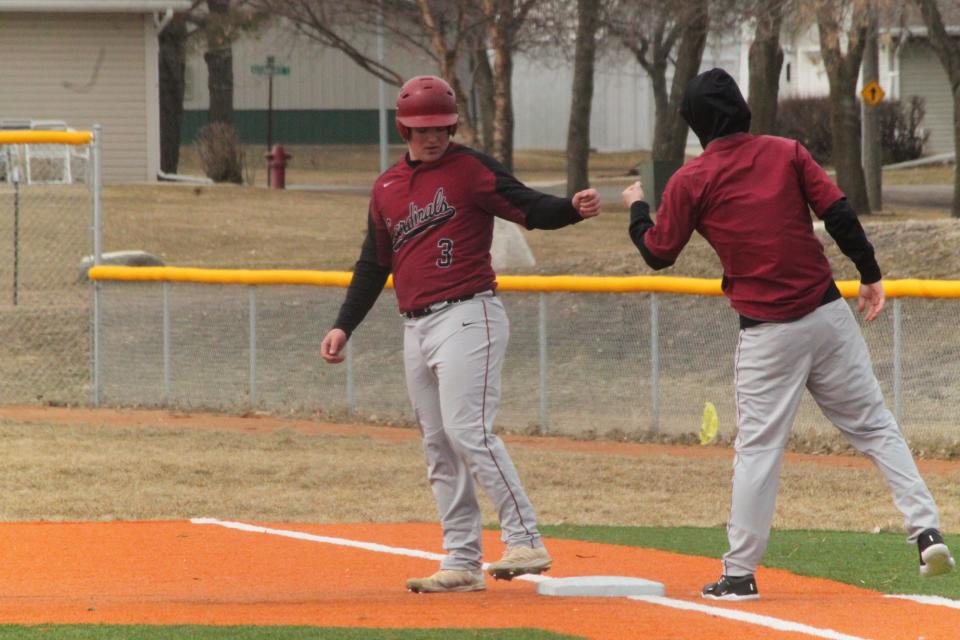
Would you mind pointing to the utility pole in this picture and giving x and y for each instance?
(270, 69)
(872, 96)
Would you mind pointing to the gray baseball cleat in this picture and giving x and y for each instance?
(518, 561)
(935, 558)
(448, 580)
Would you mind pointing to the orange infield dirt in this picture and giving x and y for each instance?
(184, 573)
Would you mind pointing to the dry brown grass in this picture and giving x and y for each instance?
(227, 226)
(360, 165)
(58, 472)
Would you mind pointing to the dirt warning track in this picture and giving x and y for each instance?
(208, 572)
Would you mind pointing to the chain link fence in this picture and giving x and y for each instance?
(620, 365)
(46, 216)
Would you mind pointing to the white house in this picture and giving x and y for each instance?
(908, 67)
(326, 98)
(87, 62)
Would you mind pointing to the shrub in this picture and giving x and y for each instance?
(808, 120)
(901, 137)
(220, 152)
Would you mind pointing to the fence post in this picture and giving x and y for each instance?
(350, 403)
(166, 343)
(15, 175)
(253, 346)
(654, 364)
(897, 385)
(97, 258)
(542, 337)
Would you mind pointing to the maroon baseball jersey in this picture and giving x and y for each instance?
(432, 223)
(757, 221)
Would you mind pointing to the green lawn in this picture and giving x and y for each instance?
(191, 632)
(882, 561)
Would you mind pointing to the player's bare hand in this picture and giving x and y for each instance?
(332, 346)
(633, 193)
(870, 300)
(587, 203)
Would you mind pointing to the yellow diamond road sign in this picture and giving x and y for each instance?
(872, 93)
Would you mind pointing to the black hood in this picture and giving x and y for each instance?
(714, 107)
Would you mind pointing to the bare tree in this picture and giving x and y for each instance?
(334, 24)
(578, 131)
(948, 50)
(219, 59)
(659, 34)
(172, 65)
(442, 31)
(482, 91)
(449, 26)
(766, 61)
(218, 23)
(843, 71)
(505, 19)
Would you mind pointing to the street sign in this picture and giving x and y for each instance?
(265, 70)
(872, 93)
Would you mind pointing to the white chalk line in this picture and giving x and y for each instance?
(342, 542)
(938, 601)
(750, 618)
(720, 612)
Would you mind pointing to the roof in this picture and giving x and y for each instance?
(94, 6)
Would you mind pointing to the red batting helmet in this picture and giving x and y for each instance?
(426, 101)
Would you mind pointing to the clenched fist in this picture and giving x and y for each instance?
(587, 203)
(633, 193)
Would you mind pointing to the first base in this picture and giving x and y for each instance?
(603, 586)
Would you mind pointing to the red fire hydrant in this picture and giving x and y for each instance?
(277, 166)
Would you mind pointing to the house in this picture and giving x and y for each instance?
(326, 98)
(320, 97)
(908, 67)
(87, 62)
(920, 73)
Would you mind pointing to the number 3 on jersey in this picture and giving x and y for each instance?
(446, 253)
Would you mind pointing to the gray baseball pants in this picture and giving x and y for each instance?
(825, 353)
(453, 359)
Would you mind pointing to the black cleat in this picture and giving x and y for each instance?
(935, 557)
(732, 588)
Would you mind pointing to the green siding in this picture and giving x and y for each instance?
(301, 126)
(921, 74)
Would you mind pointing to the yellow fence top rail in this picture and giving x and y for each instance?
(31, 136)
(584, 284)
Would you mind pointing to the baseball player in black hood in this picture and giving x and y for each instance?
(750, 197)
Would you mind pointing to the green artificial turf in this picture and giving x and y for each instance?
(882, 561)
(192, 632)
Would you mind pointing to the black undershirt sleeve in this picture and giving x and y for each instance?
(551, 212)
(543, 211)
(844, 227)
(369, 278)
(640, 223)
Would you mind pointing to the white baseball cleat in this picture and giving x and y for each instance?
(518, 561)
(448, 580)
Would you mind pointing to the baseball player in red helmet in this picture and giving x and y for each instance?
(430, 223)
(750, 197)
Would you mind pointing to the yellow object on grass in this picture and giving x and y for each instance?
(708, 428)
